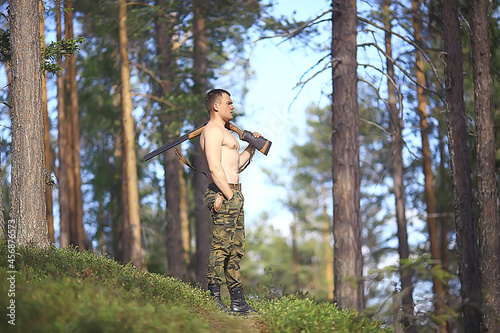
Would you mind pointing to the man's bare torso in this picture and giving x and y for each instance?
(229, 151)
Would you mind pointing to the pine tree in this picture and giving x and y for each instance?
(348, 262)
(28, 170)
(397, 172)
(130, 162)
(489, 221)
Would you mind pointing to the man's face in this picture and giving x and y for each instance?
(225, 107)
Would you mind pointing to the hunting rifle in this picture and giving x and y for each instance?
(261, 144)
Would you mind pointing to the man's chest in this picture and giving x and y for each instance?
(230, 142)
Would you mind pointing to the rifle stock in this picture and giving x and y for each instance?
(260, 144)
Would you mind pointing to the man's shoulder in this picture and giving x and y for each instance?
(212, 132)
(213, 129)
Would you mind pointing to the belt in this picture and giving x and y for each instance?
(214, 187)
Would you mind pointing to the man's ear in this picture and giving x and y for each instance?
(216, 107)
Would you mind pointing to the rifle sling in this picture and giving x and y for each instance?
(186, 162)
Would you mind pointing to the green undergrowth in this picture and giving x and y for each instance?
(295, 313)
(70, 291)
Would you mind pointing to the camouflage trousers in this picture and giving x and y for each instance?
(228, 238)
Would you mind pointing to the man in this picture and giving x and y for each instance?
(225, 200)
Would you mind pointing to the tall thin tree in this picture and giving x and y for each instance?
(348, 261)
(170, 126)
(430, 199)
(397, 172)
(64, 154)
(130, 161)
(46, 138)
(460, 169)
(28, 168)
(202, 216)
(489, 223)
(78, 235)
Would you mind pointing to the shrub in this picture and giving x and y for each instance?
(294, 313)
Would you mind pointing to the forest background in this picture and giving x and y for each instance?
(273, 58)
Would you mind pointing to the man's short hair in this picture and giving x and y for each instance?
(213, 96)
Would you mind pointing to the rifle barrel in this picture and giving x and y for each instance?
(188, 136)
(160, 150)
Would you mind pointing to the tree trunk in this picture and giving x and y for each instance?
(185, 230)
(397, 172)
(295, 254)
(69, 160)
(460, 169)
(202, 216)
(129, 139)
(46, 139)
(175, 253)
(28, 168)
(348, 260)
(63, 186)
(444, 209)
(430, 199)
(78, 235)
(327, 239)
(125, 248)
(489, 223)
(169, 130)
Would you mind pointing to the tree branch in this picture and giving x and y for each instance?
(408, 41)
(152, 75)
(402, 70)
(155, 98)
(295, 31)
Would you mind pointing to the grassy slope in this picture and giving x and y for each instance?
(67, 291)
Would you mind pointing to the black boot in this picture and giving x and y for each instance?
(215, 293)
(238, 304)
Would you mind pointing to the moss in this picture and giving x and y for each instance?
(70, 291)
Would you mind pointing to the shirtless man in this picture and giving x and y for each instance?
(225, 201)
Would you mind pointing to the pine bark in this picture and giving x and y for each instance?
(460, 169)
(184, 216)
(327, 240)
(69, 160)
(430, 199)
(28, 166)
(489, 223)
(130, 163)
(171, 166)
(397, 172)
(46, 138)
(125, 242)
(443, 208)
(78, 236)
(64, 161)
(348, 260)
(202, 216)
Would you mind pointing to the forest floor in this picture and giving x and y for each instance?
(53, 290)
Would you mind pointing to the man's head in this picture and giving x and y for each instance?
(213, 99)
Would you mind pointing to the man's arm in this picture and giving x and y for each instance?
(212, 143)
(246, 155)
(248, 152)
